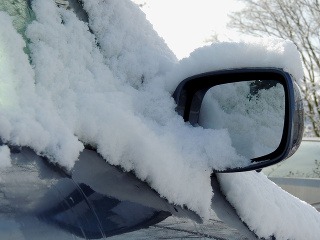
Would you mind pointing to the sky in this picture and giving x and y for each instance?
(186, 25)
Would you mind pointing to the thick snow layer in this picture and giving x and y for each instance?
(27, 116)
(113, 90)
(267, 209)
(132, 49)
(266, 52)
(137, 129)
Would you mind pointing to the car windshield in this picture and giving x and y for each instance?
(20, 11)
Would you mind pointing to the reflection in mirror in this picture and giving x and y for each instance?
(251, 111)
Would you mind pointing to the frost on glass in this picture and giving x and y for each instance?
(252, 112)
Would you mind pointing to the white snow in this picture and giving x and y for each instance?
(27, 116)
(5, 159)
(267, 209)
(116, 96)
(265, 52)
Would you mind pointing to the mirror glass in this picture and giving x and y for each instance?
(251, 111)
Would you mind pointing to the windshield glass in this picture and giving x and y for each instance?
(20, 11)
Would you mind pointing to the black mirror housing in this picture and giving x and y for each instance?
(190, 93)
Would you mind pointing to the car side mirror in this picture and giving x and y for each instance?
(261, 108)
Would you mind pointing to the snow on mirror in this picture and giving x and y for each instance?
(251, 111)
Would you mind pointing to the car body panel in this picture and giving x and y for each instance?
(95, 201)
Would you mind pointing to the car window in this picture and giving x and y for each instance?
(20, 11)
(21, 14)
(305, 163)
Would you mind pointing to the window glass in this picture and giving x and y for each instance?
(20, 11)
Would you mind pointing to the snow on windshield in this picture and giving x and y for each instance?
(112, 90)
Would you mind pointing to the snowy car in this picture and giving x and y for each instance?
(105, 133)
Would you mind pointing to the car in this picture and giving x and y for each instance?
(97, 201)
(299, 174)
(104, 133)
